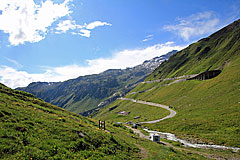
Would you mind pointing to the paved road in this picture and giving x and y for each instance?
(170, 79)
(172, 112)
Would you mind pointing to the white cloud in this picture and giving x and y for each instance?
(66, 25)
(97, 24)
(14, 62)
(85, 33)
(195, 25)
(148, 38)
(131, 58)
(119, 60)
(26, 21)
(77, 29)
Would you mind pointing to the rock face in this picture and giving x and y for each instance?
(86, 93)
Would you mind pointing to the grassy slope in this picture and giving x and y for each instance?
(146, 112)
(208, 53)
(146, 86)
(209, 110)
(33, 129)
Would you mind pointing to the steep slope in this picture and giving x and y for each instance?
(209, 53)
(207, 111)
(33, 129)
(87, 92)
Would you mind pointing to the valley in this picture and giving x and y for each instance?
(34, 129)
(182, 104)
(85, 94)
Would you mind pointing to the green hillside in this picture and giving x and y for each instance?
(33, 129)
(209, 53)
(207, 111)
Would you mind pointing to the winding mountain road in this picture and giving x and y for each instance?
(171, 136)
(172, 112)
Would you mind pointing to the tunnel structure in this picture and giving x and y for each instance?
(206, 75)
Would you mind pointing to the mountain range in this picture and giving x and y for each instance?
(86, 93)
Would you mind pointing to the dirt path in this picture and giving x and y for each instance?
(143, 151)
(172, 112)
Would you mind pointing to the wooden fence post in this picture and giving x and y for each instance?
(104, 125)
(101, 124)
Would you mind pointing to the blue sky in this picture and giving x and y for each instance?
(56, 40)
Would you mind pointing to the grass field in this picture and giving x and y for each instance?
(34, 129)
